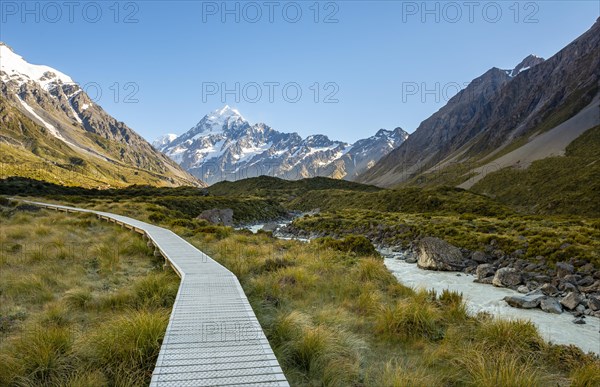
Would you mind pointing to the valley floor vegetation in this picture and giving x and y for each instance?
(333, 313)
(82, 302)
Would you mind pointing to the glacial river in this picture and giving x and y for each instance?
(558, 329)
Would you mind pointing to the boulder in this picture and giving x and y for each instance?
(437, 254)
(563, 269)
(485, 270)
(507, 277)
(567, 287)
(549, 289)
(480, 257)
(218, 216)
(579, 320)
(523, 289)
(593, 303)
(585, 281)
(571, 278)
(571, 300)
(595, 287)
(524, 302)
(551, 305)
(270, 227)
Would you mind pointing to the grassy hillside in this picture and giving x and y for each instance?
(181, 203)
(30, 151)
(82, 303)
(555, 185)
(411, 200)
(273, 187)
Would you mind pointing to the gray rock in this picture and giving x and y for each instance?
(551, 305)
(486, 280)
(524, 302)
(536, 292)
(593, 303)
(480, 257)
(507, 277)
(271, 226)
(218, 216)
(568, 287)
(580, 309)
(523, 289)
(437, 254)
(563, 269)
(586, 281)
(572, 278)
(595, 287)
(411, 259)
(549, 289)
(579, 320)
(485, 270)
(571, 300)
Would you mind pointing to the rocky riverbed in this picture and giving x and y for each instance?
(566, 288)
(563, 302)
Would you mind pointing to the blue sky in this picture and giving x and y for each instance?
(359, 65)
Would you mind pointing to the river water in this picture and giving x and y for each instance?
(558, 329)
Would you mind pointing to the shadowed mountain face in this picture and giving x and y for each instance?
(224, 146)
(51, 129)
(499, 111)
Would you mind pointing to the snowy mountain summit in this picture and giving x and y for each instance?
(225, 146)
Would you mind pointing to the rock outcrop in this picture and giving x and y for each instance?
(437, 254)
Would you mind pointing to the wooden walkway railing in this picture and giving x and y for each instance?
(213, 337)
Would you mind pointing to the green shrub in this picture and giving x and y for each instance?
(357, 244)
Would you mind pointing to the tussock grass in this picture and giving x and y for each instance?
(512, 336)
(138, 334)
(396, 374)
(78, 298)
(324, 354)
(587, 375)
(82, 303)
(335, 318)
(491, 369)
(410, 319)
(40, 356)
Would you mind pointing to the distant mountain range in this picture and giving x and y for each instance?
(503, 119)
(51, 130)
(224, 146)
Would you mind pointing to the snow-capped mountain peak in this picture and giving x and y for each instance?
(164, 140)
(527, 63)
(218, 121)
(16, 69)
(224, 146)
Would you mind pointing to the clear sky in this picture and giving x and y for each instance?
(160, 66)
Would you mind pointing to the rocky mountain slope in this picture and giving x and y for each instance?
(499, 112)
(50, 129)
(224, 146)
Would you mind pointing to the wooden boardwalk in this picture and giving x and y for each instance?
(213, 337)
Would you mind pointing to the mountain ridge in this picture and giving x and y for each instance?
(223, 145)
(93, 148)
(501, 112)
